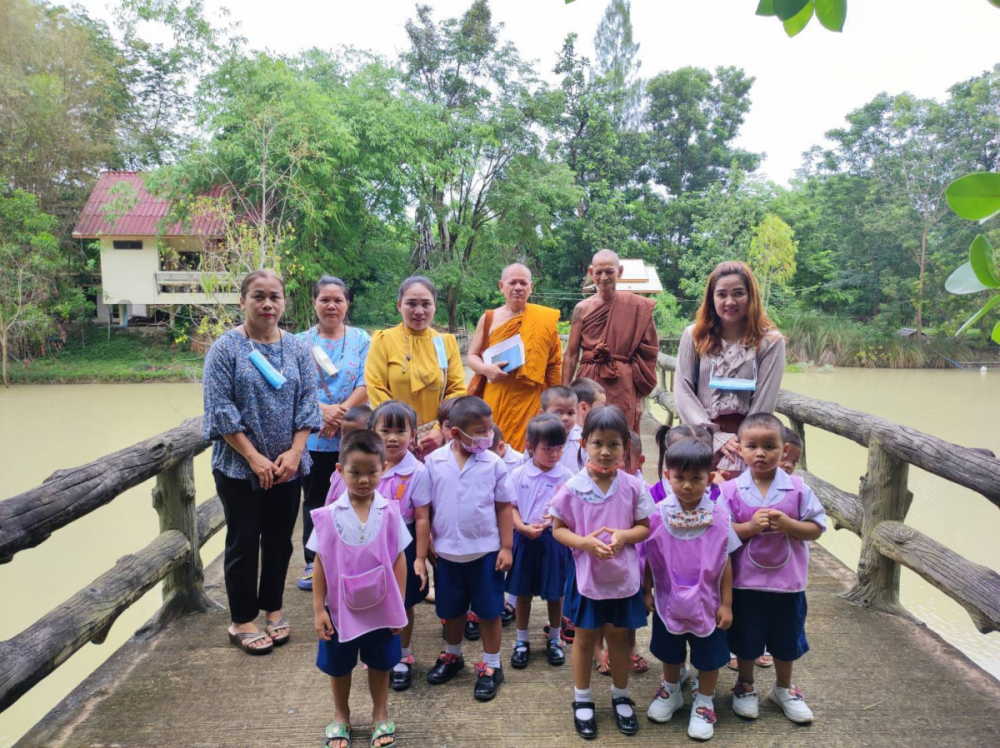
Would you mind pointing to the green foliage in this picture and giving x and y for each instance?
(772, 255)
(796, 14)
(670, 322)
(975, 196)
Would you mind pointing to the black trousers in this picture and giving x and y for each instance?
(314, 489)
(259, 526)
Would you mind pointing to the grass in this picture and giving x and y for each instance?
(90, 356)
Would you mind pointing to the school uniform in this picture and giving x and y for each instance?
(466, 534)
(400, 483)
(603, 591)
(363, 598)
(770, 569)
(573, 456)
(539, 568)
(512, 458)
(688, 552)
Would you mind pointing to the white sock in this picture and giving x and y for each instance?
(492, 660)
(511, 599)
(554, 632)
(401, 667)
(781, 692)
(623, 709)
(453, 649)
(670, 687)
(522, 636)
(586, 696)
(701, 699)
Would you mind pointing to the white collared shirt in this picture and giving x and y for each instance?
(420, 482)
(584, 486)
(355, 532)
(573, 458)
(671, 504)
(810, 508)
(534, 489)
(512, 458)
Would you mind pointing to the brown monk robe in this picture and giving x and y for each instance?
(615, 332)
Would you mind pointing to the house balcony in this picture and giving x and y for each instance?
(195, 287)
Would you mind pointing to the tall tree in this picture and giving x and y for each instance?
(772, 255)
(617, 61)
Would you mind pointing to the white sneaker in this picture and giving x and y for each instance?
(665, 704)
(701, 726)
(745, 702)
(792, 703)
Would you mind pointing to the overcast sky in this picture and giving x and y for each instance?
(804, 86)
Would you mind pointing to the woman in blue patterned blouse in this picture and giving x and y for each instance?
(339, 387)
(260, 426)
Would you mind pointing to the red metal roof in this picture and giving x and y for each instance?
(143, 218)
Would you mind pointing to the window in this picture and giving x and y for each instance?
(127, 244)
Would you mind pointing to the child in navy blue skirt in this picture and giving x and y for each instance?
(539, 568)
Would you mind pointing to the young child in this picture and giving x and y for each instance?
(468, 510)
(688, 586)
(355, 418)
(539, 567)
(666, 437)
(636, 662)
(775, 515)
(444, 414)
(589, 395)
(793, 452)
(510, 456)
(405, 477)
(600, 514)
(360, 577)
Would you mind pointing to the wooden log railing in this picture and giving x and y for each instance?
(876, 513)
(173, 557)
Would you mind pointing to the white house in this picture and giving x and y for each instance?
(134, 246)
(637, 277)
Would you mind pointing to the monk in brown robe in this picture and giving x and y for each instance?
(617, 335)
(516, 396)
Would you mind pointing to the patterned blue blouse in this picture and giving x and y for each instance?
(239, 399)
(349, 355)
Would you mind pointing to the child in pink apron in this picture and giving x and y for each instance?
(636, 662)
(600, 515)
(360, 575)
(775, 515)
(688, 585)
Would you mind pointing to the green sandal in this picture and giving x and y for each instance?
(338, 731)
(385, 729)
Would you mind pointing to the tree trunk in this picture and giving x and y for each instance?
(3, 353)
(920, 284)
(452, 302)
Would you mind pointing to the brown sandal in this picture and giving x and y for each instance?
(244, 639)
(637, 663)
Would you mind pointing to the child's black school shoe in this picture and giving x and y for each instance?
(626, 725)
(554, 652)
(472, 627)
(585, 728)
(487, 685)
(521, 655)
(446, 668)
(400, 681)
(508, 615)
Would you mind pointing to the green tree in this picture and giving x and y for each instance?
(616, 60)
(772, 255)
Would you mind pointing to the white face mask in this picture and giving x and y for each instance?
(733, 384)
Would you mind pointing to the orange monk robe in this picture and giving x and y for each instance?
(620, 346)
(516, 399)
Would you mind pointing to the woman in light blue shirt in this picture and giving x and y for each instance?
(339, 354)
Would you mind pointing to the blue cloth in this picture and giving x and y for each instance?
(476, 583)
(707, 653)
(414, 594)
(585, 613)
(378, 649)
(349, 355)
(775, 620)
(539, 568)
(238, 399)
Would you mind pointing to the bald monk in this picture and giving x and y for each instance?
(515, 396)
(617, 335)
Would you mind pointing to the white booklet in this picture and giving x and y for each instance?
(508, 355)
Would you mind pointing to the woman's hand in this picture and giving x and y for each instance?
(731, 449)
(431, 441)
(333, 418)
(287, 465)
(264, 469)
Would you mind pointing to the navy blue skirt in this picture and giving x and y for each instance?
(414, 594)
(539, 568)
(624, 613)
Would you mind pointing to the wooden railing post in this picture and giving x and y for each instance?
(800, 428)
(884, 496)
(183, 590)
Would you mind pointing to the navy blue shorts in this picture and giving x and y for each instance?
(775, 620)
(476, 584)
(539, 568)
(587, 613)
(707, 652)
(379, 650)
(414, 594)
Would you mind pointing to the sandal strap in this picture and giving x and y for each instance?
(249, 637)
(340, 730)
(383, 730)
(281, 623)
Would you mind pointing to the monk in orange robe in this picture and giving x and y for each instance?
(516, 396)
(617, 336)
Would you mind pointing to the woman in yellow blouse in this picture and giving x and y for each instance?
(413, 363)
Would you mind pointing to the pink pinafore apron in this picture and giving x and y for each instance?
(770, 561)
(396, 488)
(687, 572)
(362, 593)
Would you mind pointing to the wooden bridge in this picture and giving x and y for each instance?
(874, 675)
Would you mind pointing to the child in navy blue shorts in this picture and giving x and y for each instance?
(470, 518)
(358, 586)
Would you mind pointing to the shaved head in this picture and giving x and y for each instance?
(516, 286)
(604, 257)
(605, 268)
(516, 268)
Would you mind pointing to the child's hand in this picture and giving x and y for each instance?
(647, 597)
(779, 521)
(324, 626)
(760, 521)
(394, 632)
(617, 541)
(420, 569)
(724, 617)
(597, 548)
(532, 532)
(504, 560)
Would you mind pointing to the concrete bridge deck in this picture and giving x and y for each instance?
(872, 679)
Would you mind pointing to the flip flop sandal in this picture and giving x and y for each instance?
(637, 663)
(765, 660)
(244, 639)
(385, 729)
(338, 731)
(604, 666)
(281, 623)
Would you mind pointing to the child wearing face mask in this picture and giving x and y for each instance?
(473, 538)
